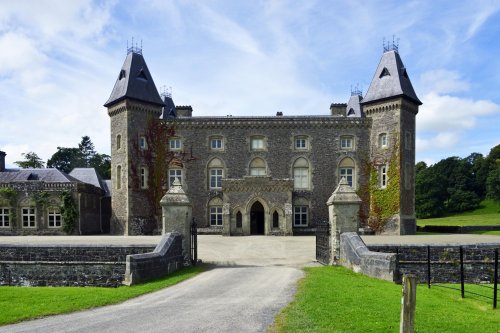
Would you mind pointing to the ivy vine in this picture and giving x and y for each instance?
(10, 195)
(69, 212)
(41, 198)
(384, 203)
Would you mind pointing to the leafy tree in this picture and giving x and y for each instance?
(31, 161)
(430, 193)
(66, 159)
(102, 163)
(85, 156)
(493, 184)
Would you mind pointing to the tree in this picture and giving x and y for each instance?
(66, 159)
(493, 184)
(85, 156)
(31, 161)
(102, 163)
(87, 150)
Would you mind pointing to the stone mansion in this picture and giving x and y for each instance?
(268, 175)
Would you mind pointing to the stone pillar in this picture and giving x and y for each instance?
(343, 210)
(287, 228)
(226, 219)
(177, 216)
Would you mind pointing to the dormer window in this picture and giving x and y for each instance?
(122, 74)
(385, 72)
(351, 112)
(142, 75)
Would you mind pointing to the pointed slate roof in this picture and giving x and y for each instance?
(135, 82)
(390, 80)
(353, 108)
(168, 111)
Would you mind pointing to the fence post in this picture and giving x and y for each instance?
(408, 303)
(495, 281)
(462, 287)
(428, 266)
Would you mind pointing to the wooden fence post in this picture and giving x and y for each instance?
(408, 302)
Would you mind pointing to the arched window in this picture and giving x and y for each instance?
(119, 177)
(215, 174)
(276, 220)
(346, 170)
(258, 167)
(118, 142)
(301, 174)
(239, 220)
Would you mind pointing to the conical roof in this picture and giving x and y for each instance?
(135, 82)
(390, 80)
(353, 106)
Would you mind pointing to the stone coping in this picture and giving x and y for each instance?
(420, 240)
(80, 241)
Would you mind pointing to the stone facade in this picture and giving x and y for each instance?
(267, 175)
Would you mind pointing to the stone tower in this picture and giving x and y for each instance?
(133, 102)
(392, 105)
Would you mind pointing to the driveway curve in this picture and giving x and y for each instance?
(253, 278)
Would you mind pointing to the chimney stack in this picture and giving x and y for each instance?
(2, 161)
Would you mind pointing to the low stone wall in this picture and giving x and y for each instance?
(64, 265)
(166, 258)
(355, 255)
(457, 229)
(445, 261)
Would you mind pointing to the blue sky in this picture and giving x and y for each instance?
(60, 60)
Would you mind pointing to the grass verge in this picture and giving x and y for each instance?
(23, 303)
(334, 299)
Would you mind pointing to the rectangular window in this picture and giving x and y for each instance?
(215, 178)
(29, 217)
(174, 173)
(257, 171)
(301, 143)
(54, 216)
(216, 144)
(383, 176)
(216, 216)
(347, 173)
(142, 143)
(175, 144)
(144, 178)
(301, 178)
(382, 140)
(4, 217)
(257, 143)
(346, 142)
(300, 216)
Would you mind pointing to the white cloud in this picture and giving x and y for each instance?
(442, 140)
(442, 81)
(449, 113)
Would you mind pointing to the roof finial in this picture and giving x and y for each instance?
(166, 92)
(134, 48)
(391, 47)
(356, 91)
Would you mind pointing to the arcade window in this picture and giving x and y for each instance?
(29, 217)
(216, 178)
(54, 218)
(4, 217)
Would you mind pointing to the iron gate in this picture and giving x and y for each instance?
(323, 251)
(194, 243)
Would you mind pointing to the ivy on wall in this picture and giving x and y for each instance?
(381, 204)
(9, 195)
(69, 212)
(41, 198)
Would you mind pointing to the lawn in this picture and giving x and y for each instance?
(335, 299)
(487, 214)
(22, 303)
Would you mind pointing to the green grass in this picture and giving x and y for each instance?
(334, 299)
(487, 214)
(22, 303)
(491, 232)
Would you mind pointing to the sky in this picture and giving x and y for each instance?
(59, 61)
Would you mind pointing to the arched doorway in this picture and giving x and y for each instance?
(257, 219)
